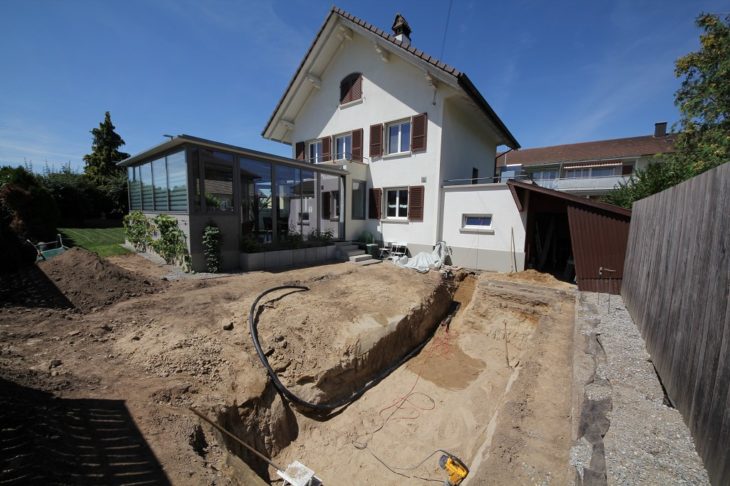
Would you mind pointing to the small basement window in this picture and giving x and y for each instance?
(476, 223)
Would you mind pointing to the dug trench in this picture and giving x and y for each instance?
(362, 349)
(469, 390)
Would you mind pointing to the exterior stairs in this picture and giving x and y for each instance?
(348, 251)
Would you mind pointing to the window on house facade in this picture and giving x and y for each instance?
(396, 203)
(135, 188)
(577, 173)
(256, 200)
(351, 88)
(218, 180)
(398, 138)
(314, 152)
(159, 185)
(159, 180)
(148, 195)
(476, 223)
(343, 147)
(331, 205)
(606, 171)
(358, 199)
(544, 175)
(177, 178)
(588, 172)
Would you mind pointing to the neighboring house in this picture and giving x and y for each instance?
(587, 169)
(404, 125)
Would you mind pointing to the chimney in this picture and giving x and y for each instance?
(660, 129)
(401, 29)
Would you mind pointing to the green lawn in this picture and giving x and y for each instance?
(102, 241)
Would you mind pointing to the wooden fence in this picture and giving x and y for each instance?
(677, 289)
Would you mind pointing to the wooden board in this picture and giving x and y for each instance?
(676, 286)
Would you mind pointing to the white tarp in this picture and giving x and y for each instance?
(425, 261)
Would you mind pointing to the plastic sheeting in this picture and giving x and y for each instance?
(424, 261)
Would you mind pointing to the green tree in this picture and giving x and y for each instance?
(703, 99)
(101, 163)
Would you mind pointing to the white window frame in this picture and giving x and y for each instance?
(399, 124)
(347, 148)
(477, 228)
(398, 216)
(318, 156)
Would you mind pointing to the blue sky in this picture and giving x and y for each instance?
(555, 72)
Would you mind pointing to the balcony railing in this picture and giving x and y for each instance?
(570, 184)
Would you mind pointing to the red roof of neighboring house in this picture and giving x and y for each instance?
(586, 151)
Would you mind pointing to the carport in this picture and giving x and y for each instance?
(572, 237)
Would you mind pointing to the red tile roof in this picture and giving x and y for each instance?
(587, 151)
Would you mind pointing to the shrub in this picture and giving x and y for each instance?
(323, 236)
(171, 244)
(138, 230)
(249, 244)
(212, 247)
(33, 212)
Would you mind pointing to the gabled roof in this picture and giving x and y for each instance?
(458, 78)
(589, 151)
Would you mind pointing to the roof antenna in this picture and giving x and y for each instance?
(446, 29)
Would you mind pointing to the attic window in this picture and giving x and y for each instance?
(351, 88)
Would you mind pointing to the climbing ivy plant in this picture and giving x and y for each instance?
(212, 248)
(171, 244)
(138, 230)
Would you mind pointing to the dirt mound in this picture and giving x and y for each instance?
(90, 282)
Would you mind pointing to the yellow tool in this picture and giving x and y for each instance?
(454, 467)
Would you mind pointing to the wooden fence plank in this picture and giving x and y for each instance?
(676, 287)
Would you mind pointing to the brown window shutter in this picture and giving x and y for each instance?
(326, 197)
(351, 88)
(418, 133)
(357, 144)
(356, 90)
(326, 149)
(300, 151)
(415, 203)
(627, 170)
(376, 199)
(376, 140)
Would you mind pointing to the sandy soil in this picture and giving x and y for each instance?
(146, 356)
(511, 424)
(161, 352)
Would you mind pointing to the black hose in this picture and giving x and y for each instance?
(324, 407)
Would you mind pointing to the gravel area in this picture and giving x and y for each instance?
(647, 441)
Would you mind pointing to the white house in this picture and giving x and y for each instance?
(410, 131)
(387, 141)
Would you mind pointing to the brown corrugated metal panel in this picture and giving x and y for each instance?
(599, 242)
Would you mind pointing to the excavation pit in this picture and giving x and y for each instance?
(455, 394)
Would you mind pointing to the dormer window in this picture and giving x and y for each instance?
(351, 88)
